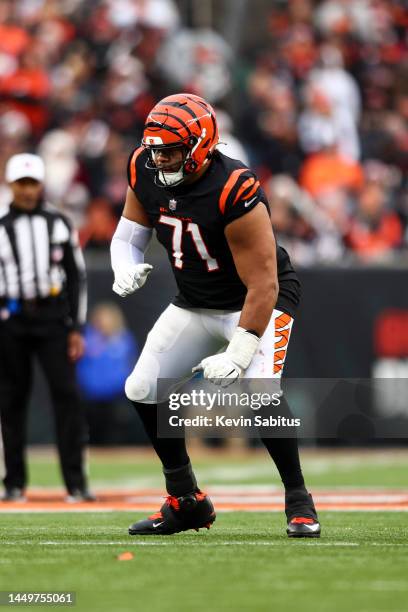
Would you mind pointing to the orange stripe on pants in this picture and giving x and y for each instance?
(282, 333)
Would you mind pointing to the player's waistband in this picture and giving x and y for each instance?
(208, 311)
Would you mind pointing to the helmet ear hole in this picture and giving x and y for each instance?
(190, 166)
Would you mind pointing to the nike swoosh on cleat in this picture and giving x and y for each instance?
(157, 524)
(314, 527)
(246, 204)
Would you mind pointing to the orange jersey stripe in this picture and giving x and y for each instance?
(245, 185)
(253, 190)
(133, 166)
(231, 182)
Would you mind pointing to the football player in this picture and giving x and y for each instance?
(237, 291)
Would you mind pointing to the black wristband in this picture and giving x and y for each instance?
(253, 332)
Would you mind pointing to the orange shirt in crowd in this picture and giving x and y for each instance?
(13, 39)
(329, 170)
(371, 242)
(32, 83)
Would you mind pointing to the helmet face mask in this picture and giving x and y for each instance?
(168, 163)
(181, 121)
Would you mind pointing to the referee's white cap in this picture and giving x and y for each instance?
(24, 165)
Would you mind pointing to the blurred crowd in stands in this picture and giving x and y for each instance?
(317, 105)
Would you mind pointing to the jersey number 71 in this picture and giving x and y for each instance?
(198, 241)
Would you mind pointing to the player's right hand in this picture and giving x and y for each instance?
(130, 277)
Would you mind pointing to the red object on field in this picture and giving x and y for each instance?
(125, 556)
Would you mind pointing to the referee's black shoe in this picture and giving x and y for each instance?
(301, 514)
(191, 511)
(14, 494)
(77, 496)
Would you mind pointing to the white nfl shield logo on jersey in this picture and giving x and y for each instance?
(172, 204)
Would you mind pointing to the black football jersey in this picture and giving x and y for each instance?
(190, 221)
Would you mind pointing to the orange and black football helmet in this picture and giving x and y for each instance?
(181, 120)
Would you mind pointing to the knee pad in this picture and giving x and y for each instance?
(138, 388)
(141, 384)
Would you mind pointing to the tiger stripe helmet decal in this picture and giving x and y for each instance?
(182, 119)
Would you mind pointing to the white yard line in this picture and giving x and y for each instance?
(131, 543)
(110, 509)
(198, 542)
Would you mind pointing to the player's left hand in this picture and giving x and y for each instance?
(224, 368)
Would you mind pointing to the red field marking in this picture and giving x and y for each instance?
(226, 499)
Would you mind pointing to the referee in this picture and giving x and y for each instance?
(42, 307)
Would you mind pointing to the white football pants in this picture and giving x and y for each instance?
(181, 338)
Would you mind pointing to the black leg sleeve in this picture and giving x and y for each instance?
(285, 452)
(172, 452)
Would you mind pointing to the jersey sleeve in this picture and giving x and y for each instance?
(240, 194)
(133, 168)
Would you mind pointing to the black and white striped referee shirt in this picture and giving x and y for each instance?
(41, 261)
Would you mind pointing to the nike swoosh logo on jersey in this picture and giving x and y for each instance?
(157, 524)
(246, 204)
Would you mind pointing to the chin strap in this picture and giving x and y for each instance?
(171, 178)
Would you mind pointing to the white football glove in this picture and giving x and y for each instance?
(130, 277)
(224, 368)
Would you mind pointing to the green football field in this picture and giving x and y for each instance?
(245, 562)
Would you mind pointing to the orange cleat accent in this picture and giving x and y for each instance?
(302, 520)
(156, 515)
(173, 502)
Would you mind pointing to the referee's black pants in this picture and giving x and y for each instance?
(21, 339)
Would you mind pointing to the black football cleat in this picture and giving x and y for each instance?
(301, 514)
(191, 511)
